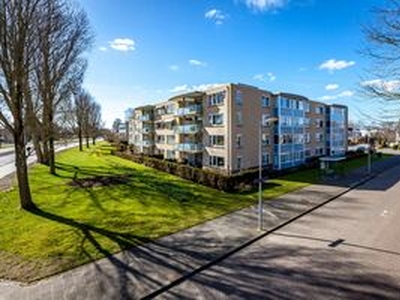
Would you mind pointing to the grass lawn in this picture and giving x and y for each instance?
(78, 223)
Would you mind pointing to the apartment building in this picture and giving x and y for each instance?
(226, 127)
(141, 130)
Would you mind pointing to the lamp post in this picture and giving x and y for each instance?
(369, 155)
(260, 179)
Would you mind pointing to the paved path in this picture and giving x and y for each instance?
(347, 249)
(7, 158)
(145, 269)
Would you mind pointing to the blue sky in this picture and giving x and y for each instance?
(148, 50)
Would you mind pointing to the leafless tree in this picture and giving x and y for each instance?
(383, 49)
(63, 36)
(17, 50)
(83, 102)
(95, 122)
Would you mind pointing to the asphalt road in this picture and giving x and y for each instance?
(7, 160)
(348, 249)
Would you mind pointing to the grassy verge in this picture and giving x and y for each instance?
(100, 204)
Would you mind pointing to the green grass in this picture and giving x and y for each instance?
(78, 224)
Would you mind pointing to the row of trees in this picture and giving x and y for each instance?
(42, 65)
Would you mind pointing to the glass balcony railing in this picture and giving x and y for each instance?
(145, 143)
(189, 110)
(187, 129)
(189, 147)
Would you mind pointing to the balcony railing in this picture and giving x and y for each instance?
(189, 147)
(145, 143)
(189, 110)
(187, 129)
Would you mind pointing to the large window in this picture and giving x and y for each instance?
(216, 98)
(239, 118)
(264, 101)
(216, 119)
(265, 139)
(217, 140)
(217, 161)
(239, 141)
(239, 97)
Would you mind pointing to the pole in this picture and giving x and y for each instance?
(260, 202)
(369, 155)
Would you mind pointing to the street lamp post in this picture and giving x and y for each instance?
(260, 178)
(369, 155)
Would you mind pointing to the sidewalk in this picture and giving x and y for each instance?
(136, 273)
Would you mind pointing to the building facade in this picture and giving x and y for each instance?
(226, 128)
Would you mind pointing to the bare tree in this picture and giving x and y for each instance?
(83, 102)
(17, 48)
(95, 121)
(383, 49)
(63, 35)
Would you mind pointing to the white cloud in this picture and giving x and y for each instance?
(188, 88)
(268, 77)
(174, 67)
(197, 63)
(216, 15)
(122, 44)
(385, 85)
(331, 86)
(334, 65)
(103, 48)
(344, 94)
(265, 5)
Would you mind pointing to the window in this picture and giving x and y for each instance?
(265, 159)
(239, 162)
(306, 122)
(170, 139)
(238, 97)
(215, 119)
(319, 137)
(238, 140)
(319, 109)
(239, 118)
(319, 123)
(216, 140)
(307, 138)
(265, 139)
(264, 101)
(307, 106)
(216, 98)
(217, 161)
(307, 153)
(265, 121)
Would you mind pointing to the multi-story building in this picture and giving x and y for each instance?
(226, 128)
(141, 130)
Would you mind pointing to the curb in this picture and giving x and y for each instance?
(3, 153)
(187, 276)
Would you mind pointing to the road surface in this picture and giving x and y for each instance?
(348, 249)
(7, 160)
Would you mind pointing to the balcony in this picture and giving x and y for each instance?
(146, 130)
(145, 143)
(144, 118)
(187, 129)
(189, 147)
(189, 110)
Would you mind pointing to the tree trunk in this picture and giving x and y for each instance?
(87, 142)
(22, 169)
(38, 149)
(52, 162)
(46, 153)
(93, 141)
(80, 138)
